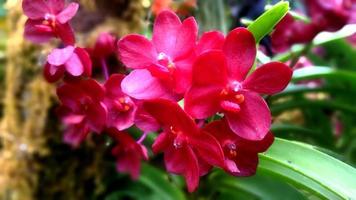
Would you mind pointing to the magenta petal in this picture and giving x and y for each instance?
(144, 121)
(85, 59)
(183, 161)
(240, 51)
(209, 41)
(53, 73)
(169, 113)
(208, 149)
(74, 65)
(162, 142)
(93, 89)
(75, 134)
(113, 85)
(210, 69)
(140, 84)
(56, 6)
(182, 75)
(129, 162)
(96, 116)
(36, 35)
(73, 119)
(202, 102)
(186, 38)
(246, 163)
(60, 56)
(136, 51)
(254, 119)
(68, 13)
(35, 9)
(165, 29)
(270, 78)
(118, 118)
(65, 33)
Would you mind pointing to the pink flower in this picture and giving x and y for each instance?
(329, 15)
(105, 45)
(241, 156)
(187, 150)
(326, 15)
(128, 153)
(290, 31)
(81, 109)
(220, 85)
(162, 66)
(144, 121)
(121, 108)
(104, 54)
(72, 61)
(48, 19)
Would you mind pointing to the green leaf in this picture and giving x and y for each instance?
(323, 72)
(158, 182)
(264, 24)
(309, 170)
(256, 187)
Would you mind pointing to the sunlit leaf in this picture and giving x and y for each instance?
(309, 169)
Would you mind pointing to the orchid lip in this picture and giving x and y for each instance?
(165, 60)
(230, 106)
(123, 104)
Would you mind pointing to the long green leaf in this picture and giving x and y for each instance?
(158, 182)
(309, 170)
(256, 187)
(264, 24)
(323, 72)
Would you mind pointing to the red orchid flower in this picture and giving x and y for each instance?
(73, 61)
(187, 150)
(209, 41)
(48, 19)
(81, 109)
(220, 85)
(128, 153)
(105, 45)
(163, 65)
(144, 121)
(121, 108)
(241, 156)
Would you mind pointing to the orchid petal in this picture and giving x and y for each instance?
(60, 56)
(68, 13)
(254, 119)
(240, 50)
(36, 35)
(165, 30)
(269, 79)
(140, 84)
(136, 51)
(209, 41)
(35, 9)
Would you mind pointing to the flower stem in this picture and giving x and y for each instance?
(105, 68)
(142, 138)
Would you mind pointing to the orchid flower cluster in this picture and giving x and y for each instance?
(197, 93)
(325, 15)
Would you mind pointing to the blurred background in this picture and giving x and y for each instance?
(317, 108)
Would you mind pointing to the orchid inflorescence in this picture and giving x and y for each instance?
(225, 122)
